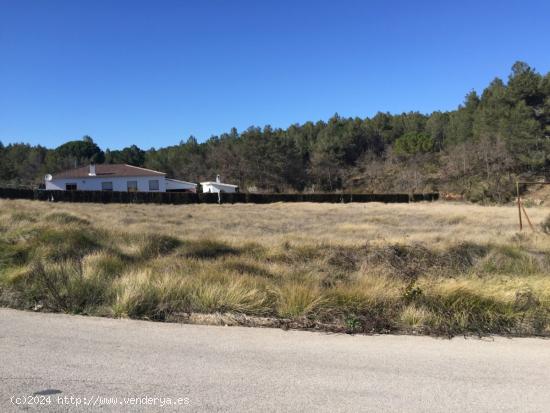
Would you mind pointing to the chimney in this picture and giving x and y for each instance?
(92, 170)
(218, 179)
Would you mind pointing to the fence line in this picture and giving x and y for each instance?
(107, 197)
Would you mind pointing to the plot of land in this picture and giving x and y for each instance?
(307, 222)
(436, 268)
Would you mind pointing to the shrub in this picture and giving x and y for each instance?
(63, 286)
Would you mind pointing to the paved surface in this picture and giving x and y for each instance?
(208, 368)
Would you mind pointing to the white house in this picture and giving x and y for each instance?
(116, 177)
(218, 186)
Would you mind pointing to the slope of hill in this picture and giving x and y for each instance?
(477, 150)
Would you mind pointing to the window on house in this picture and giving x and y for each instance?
(70, 187)
(106, 186)
(154, 185)
(132, 186)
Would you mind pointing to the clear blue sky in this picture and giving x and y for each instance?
(154, 72)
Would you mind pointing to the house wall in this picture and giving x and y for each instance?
(215, 188)
(119, 183)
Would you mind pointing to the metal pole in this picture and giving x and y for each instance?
(519, 206)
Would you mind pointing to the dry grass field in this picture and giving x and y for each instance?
(429, 268)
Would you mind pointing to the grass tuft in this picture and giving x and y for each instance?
(298, 300)
(154, 245)
(64, 218)
(545, 225)
(207, 249)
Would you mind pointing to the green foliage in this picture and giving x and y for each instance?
(413, 143)
(83, 151)
(132, 155)
(524, 84)
(352, 323)
(412, 292)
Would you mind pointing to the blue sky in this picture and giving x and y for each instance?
(154, 72)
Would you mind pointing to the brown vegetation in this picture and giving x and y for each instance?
(438, 268)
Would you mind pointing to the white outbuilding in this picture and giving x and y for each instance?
(218, 186)
(115, 177)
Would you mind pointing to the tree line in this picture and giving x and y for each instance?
(477, 150)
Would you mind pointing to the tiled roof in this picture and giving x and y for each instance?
(108, 170)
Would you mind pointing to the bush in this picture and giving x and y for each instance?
(63, 286)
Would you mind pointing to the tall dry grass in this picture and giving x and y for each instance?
(427, 268)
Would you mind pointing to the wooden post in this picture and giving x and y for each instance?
(527, 217)
(519, 206)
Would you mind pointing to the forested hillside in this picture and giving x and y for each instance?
(477, 150)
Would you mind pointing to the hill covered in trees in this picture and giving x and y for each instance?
(477, 150)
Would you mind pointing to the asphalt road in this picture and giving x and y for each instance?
(204, 368)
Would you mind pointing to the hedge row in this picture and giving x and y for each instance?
(190, 198)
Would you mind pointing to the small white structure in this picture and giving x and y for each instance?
(218, 186)
(176, 185)
(116, 177)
